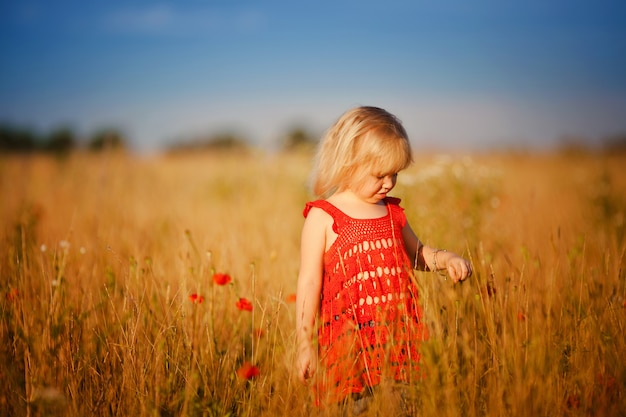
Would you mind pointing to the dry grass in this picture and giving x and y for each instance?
(100, 254)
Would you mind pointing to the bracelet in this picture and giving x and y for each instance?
(435, 258)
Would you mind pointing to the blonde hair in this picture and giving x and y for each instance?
(364, 140)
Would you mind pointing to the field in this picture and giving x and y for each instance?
(110, 305)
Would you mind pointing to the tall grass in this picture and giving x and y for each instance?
(101, 255)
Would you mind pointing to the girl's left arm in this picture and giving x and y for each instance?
(425, 258)
(414, 248)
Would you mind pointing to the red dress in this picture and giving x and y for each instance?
(370, 321)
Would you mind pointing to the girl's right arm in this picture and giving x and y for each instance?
(309, 289)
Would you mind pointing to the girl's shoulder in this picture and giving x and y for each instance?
(320, 214)
(321, 204)
(327, 212)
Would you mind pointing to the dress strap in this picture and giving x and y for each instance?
(396, 211)
(338, 216)
(323, 204)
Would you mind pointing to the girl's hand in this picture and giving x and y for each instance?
(458, 268)
(306, 362)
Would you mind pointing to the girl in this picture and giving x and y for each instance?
(357, 258)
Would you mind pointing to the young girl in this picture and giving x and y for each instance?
(358, 253)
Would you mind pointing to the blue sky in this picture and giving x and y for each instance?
(459, 74)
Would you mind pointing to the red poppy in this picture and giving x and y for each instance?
(573, 401)
(196, 298)
(221, 279)
(606, 380)
(521, 316)
(291, 298)
(12, 294)
(244, 304)
(247, 371)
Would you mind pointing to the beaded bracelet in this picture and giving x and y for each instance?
(436, 269)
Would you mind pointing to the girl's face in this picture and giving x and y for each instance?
(375, 186)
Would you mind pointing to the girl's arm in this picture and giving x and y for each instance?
(425, 258)
(309, 289)
(414, 248)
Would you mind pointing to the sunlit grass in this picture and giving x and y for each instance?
(106, 257)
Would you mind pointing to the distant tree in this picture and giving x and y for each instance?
(298, 138)
(14, 139)
(107, 139)
(60, 141)
(218, 142)
(226, 141)
(615, 143)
